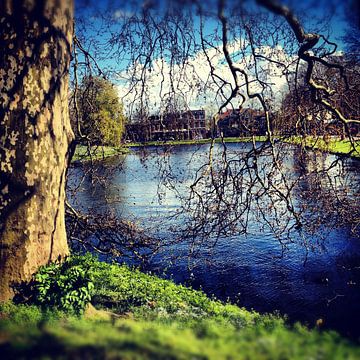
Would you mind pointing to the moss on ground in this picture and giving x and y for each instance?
(153, 318)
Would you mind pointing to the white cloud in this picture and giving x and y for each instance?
(122, 14)
(193, 81)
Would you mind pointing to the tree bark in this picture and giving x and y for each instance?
(35, 133)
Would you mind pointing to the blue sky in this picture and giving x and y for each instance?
(96, 35)
(309, 12)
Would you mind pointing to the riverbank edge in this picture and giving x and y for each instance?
(98, 153)
(198, 141)
(142, 316)
(333, 146)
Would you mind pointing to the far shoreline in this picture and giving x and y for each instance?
(333, 146)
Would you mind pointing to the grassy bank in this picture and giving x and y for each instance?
(82, 152)
(141, 316)
(334, 146)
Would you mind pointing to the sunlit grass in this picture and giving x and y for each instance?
(332, 145)
(145, 317)
(83, 153)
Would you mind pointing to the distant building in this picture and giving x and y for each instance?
(138, 131)
(241, 122)
(174, 126)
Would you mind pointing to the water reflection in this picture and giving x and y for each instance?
(319, 280)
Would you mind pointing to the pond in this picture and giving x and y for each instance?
(307, 283)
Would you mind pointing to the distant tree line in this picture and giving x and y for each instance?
(300, 114)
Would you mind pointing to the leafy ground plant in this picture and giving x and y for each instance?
(66, 287)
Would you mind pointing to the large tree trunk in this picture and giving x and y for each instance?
(35, 132)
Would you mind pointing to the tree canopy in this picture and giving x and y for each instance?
(98, 115)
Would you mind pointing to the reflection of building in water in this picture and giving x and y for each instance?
(174, 126)
(241, 122)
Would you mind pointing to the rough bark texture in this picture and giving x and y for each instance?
(35, 132)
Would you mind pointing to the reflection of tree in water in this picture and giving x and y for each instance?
(327, 191)
(290, 196)
(298, 204)
(100, 224)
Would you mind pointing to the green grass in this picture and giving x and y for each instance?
(335, 146)
(126, 338)
(96, 152)
(152, 318)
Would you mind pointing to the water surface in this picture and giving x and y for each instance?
(253, 270)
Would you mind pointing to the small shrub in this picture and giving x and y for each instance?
(67, 286)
